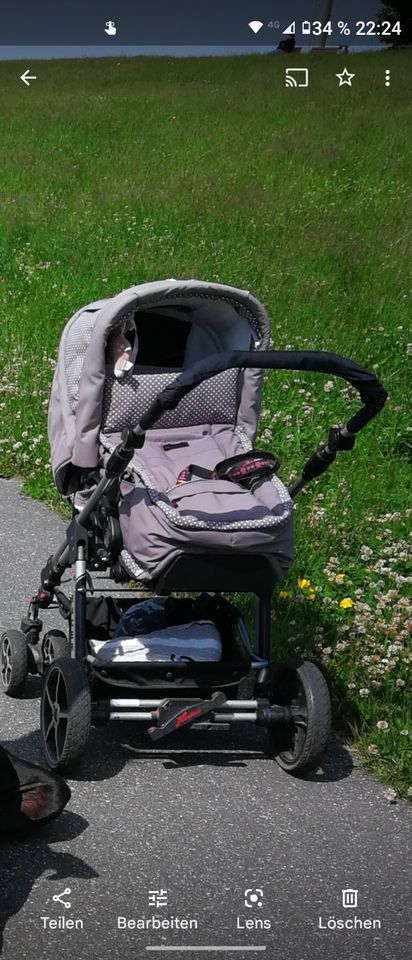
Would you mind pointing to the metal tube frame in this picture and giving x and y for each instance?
(233, 711)
(79, 603)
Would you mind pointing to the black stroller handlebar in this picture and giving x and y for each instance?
(371, 392)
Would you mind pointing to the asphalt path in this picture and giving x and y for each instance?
(207, 822)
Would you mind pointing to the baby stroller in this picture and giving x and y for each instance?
(152, 419)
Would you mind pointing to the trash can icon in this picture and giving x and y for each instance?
(349, 898)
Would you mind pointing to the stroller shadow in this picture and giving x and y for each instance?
(24, 858)
(199, 749)
(337, 764)
(113, 746)
(105, 756)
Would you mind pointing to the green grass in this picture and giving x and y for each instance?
(116, 173)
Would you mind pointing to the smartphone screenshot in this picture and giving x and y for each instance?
(205, 497)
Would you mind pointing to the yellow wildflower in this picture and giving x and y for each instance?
(284, 594)
(303, 583)
(340, 577)
(311, 594)
(345, 603)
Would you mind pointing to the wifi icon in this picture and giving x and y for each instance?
(255, 25)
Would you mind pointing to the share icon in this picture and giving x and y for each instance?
(57, 897)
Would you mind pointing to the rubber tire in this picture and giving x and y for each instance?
(61, 646)
(78, 699)
(19, 662)
(318, 708)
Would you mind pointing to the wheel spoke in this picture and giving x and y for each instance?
(51, 725)
(300, 718)
(56, 741)
(6, 657)
(49, 698)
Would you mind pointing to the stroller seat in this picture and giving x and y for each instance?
(163, 513)
(162, 518)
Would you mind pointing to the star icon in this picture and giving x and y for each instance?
(345, 77)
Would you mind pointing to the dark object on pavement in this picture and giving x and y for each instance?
(28, 794)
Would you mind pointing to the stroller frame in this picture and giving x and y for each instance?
(293, 705)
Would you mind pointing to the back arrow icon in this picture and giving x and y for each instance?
(26, 77)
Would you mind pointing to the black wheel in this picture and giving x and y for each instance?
(14, 662)
(298, 746)
(65, 713)
(55, 644)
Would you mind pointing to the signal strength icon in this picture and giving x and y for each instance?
(255, 25)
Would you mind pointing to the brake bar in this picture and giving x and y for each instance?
(171, 716)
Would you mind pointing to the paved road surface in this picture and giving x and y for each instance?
(204, 819)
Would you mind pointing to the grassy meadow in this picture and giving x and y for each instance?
(113, 173)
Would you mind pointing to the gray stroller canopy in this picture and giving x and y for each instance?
(219, 318)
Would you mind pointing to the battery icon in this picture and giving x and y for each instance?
(306, 27)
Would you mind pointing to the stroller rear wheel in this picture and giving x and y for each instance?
(14, 662)
(65, 713)
(299, 746)
(55, 644)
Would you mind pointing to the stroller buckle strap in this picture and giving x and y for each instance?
(244, 468)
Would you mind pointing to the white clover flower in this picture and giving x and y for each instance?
(373, 749)
(382, 725)
(328, 386)
(394, 648)
(364, 692)
(400, 683)
(365, 552)
(404, 733)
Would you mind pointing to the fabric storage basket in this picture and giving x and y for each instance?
(198, 640)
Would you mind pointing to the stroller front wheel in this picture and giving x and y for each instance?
(14, 662)
(55, 644)
(299, 746)
(65, 717)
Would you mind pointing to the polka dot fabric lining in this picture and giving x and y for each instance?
(125, 401)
